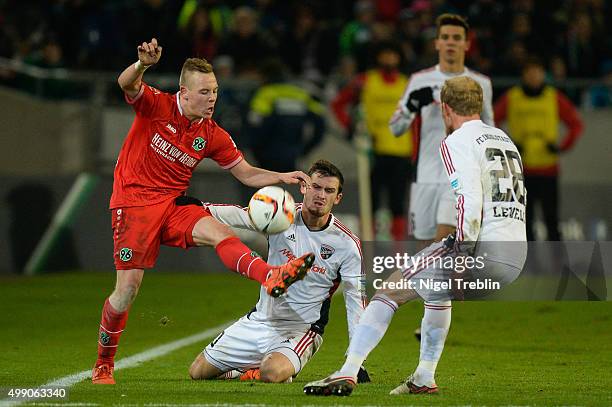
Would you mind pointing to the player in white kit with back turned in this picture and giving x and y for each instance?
(432, 206)
(484, 168)
(277, 338)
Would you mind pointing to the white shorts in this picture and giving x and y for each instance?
(431, 205)
(244, 344)
(438, 270)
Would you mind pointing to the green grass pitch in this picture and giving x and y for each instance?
(497, 353)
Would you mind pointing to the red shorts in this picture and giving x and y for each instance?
(139, 231)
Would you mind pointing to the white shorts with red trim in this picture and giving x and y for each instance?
(245, 343)
(431, 205)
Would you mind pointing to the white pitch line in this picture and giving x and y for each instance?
(126, 363)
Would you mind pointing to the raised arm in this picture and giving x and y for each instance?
(409, 106)
(130, 80)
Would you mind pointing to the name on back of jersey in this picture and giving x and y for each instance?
(509, 212)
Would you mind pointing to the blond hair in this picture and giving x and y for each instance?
(194, 65)
(463, 95)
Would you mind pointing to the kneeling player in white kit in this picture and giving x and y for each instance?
(485, 170)
(278, 337)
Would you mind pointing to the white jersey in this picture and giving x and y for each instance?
(485, 171)
(431, 128)
(338, 259)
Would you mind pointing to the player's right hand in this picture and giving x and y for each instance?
(149, 52)
(419, 98)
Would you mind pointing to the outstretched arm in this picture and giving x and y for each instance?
(231, 215)
(258, 177)
(130, 79)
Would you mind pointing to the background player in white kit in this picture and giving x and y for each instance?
(432, 206)
(485, 170)
(277, 338)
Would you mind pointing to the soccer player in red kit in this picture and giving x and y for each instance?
(170, 135)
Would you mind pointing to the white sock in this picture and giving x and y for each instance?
(434, 328)
(371, 328)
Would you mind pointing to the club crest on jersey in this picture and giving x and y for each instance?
(198, 144)
(326, 251)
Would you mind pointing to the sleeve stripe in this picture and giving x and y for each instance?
(348, 232)
(140, 92)
(460, 213)
(448, 161)
(448, 171)
(232, 164)
(343, 228)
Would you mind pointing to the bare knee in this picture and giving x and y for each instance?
(273, 375)
(195, 372)
(276, 368)
(210, 232)
(126, 288)
(398, 295)
(200, 369)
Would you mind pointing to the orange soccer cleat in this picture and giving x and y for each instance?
(102, 374)
(251, 374)
(282, 277)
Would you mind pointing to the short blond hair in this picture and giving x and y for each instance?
(463, 95)
(194, 65)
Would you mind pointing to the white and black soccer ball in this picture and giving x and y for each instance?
(272, 210)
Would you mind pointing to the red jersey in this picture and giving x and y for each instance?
(163, 148)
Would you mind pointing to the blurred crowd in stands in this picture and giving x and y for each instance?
(314, 38)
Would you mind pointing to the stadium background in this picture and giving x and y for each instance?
(63, 115)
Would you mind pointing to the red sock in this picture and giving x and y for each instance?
(236, 256)
(399, 226)
(111, 327)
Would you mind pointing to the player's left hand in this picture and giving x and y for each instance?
(363, 376)
(294, 177)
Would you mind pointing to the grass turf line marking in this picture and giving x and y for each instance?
(127, 362)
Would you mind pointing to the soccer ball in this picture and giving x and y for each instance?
(272, 210)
